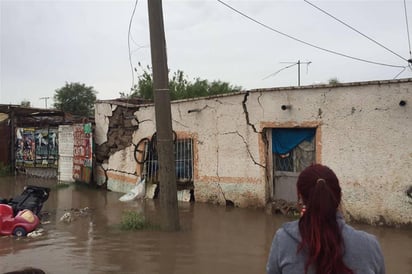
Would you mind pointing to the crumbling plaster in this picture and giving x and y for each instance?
(102, 113)
(114, 150)
(362, 133)
(215, 140)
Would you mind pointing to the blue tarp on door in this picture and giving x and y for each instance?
(286, 139)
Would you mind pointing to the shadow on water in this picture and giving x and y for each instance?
(213, 239)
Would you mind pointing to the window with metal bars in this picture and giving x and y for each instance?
(183, 160)
(297, 159)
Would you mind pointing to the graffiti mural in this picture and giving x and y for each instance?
(46, 147)
(82, 152)
(36, 147)
(25, 147)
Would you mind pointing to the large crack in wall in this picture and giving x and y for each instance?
(245, 111)
(261, 135)
(247, 148)
(122, 125)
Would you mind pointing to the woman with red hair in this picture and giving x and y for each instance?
(320, 242)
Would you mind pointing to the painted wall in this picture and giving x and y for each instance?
(66, 144)
(363, 133)
(82, 152)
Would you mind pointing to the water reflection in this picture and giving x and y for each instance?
(212, 239)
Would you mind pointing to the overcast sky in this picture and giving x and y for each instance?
(45, 44)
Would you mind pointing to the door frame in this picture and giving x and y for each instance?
(267, 126)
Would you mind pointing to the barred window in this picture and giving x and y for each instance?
(183, 150)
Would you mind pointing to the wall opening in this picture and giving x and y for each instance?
(183, 150)
(293, 149)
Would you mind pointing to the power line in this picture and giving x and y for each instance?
(364, 35)
(306, 43)
(128, 43)
(298, 63)
(399, 73)
(407, 29)
(276, 72)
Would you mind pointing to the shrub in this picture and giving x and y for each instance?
(132, 220)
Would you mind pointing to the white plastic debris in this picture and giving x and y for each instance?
(67, 217)
(36, 233)
(137, 192)
(183, 195)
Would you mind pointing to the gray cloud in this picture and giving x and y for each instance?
(46, 43)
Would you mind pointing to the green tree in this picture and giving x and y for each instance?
(333, 81)
(180, 87)
(25, 103)
(75, 98)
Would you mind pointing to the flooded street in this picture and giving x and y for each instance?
(213, 239)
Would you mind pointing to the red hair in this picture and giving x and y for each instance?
(319, 189)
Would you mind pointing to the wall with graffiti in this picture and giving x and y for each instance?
(37, 147)
(82, 152)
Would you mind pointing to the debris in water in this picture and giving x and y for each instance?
(36, 233)
(71, 215)
(67, 217)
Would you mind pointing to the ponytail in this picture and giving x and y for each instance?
(321, 237)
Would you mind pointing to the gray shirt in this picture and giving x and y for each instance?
(362, 252)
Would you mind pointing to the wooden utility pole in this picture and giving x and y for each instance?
(165, 149)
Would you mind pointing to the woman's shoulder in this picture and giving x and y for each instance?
(360, 241)
(357, 235)
(362, 251)
(289, 230)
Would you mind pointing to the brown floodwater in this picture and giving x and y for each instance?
(212, 239)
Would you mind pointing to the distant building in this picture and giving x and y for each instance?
(41, 142)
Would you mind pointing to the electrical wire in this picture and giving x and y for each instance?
(399, 73)
(128, 43)
(276, 72)
(352, 28)
(306, 43)
(407, 29)
(138, 46)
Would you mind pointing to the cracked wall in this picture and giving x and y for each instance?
(364, 139)
(115, 126)
(363, 134)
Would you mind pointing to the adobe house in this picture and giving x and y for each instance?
(247, 148)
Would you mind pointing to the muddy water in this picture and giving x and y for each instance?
(212, 239)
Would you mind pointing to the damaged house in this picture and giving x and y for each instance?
(45, 143)
(29, 142)
(247, 148)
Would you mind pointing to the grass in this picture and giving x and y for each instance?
(132, 220)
